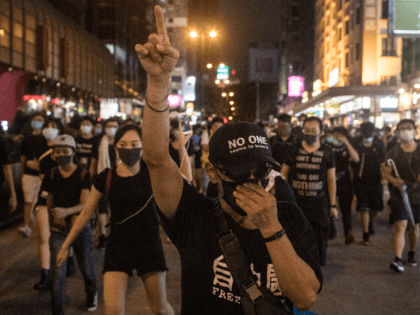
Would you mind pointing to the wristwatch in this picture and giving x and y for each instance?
(276, 236)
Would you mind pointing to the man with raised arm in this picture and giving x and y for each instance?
(240, 157)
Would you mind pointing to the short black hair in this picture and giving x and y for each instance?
(112, 119)
(402, 121)
(304, 116)
(217, 119)
(88, 118)
(313, 118)
(122, 130)
(367, 129)
(38, 113)
(341, 130)
(57, 122)
(285, 118)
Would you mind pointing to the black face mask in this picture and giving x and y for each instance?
(228, 189)
(129, 156)
(63, 160)
(309, 139)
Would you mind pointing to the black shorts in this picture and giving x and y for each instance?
(369, 197)
(103, 205)
(141, 252)
(399, 213)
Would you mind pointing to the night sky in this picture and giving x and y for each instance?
(248, 21)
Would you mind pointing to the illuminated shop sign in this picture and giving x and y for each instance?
(296, 86)
(388, 102)
(175, 100)
(334, 75)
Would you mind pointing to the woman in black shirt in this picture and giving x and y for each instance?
(134, 241)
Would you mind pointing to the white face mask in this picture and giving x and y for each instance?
(407, 135)
(369, 140)
(50, 133)
(86, 129)
(111, 132)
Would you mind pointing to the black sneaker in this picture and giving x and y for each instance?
(366, 238)
(92, 302)
(397, 265)
(411, 260)
(102, 242)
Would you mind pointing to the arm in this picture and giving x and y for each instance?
(354, 156)
(284, 171)
(332, 191)
(90, 205)
(387, 173)
(295, 276)
(159, 58)
(93, 169)
(9, 179)
(22, 165)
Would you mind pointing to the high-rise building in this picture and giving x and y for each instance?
(357, 65)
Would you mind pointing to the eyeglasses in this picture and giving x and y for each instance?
(259, 173)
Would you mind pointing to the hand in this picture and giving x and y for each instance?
(33, 164)
(398, 183)
(157, 56)
(62, 255)
(334, 212)
(12, 203)
(260, 206)
(59, 212)
(341, 137)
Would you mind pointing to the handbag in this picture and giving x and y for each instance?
(256, 300)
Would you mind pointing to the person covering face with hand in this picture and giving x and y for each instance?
(291, 262)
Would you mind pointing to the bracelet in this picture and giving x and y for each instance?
(155, 110)
(276, 236)
(153, 102)
(333, 206)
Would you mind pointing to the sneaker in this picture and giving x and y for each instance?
(102, 242)
(333, 228)
(349, 239)
(397, 265)
(25, 230)
(366, 238)
(371, 229)
(92, 302)
(411, 260)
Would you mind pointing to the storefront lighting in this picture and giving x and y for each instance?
(1, 32)
(401, 91)
(417, 86)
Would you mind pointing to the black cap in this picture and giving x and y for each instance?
(239, 147)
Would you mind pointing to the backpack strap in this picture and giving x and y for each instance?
(45, 154)
(108, 182)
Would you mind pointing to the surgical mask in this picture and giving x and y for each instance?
(129, 156)
(369, 140)
(36, 124)
(111, 132)
(329, 139)
(309, 139)
(228, 189)
(407, 135)
(50, 133)
(98, 131)
(86, 129)
(63, 160)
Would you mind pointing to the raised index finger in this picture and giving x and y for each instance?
(160, 22)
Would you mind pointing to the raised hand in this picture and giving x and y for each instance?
(157, 56)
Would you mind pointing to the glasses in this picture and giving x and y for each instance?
(259, 173)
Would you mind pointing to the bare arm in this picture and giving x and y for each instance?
(354, 156)
(59, 212)
(387, 173)
(93, 169)
(332, 190)
(284, 171)
(22, 165)
(10, 183)
(159, 58)
(89, 207)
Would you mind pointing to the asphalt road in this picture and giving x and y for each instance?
(358, 280)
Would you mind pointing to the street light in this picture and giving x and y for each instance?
(193, 34)
(227, 81)
(231, 102)
(232, 109)
(209, 66)
(231, 94)
(230, 117)
(222, 65)
(217, 81)
(223, 94)
(213, 34)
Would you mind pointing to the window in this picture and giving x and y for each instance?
(351, 55)
(357, 51)
(347, 27)
(385, 10)
(352, 18)
(339, 65)
(340, 5)
(358, 15)
(339, 33)
(347, 60)
(389, 46)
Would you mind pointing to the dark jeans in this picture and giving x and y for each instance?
(83, 248)
(321, 236)
(345, 199)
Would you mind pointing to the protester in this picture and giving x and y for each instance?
(368, 177)
(6, 174)
(52, 128)
(85, 144)
(283, 141)
(406, 157)
(290, 262)
(310, 170)
(64, 192)
(198, 170)
(98, 130)
(343, 153)
(134, 240)
(104, 157)
(33, 146)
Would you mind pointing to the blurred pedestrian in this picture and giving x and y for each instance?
(6, 174)
(85, 144)
(283, 141)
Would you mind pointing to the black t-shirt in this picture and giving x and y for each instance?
(368, 170)
(33, 147)
(342, 160)
(207, 285)
(175, 153)
(85, 150)
(281, 149)
(46, 163)
(408, 167)
(196, 144)
(4, 158)
(65, 191)
(308, 178)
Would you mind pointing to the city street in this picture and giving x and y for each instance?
(357, 279)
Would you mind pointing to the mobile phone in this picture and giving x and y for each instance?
(185, 123)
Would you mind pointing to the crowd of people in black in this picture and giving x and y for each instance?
(249, 210)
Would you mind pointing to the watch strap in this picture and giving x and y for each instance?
(276, 236)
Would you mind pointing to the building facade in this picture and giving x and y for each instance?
(357, 65)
